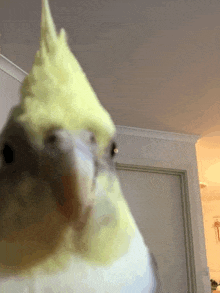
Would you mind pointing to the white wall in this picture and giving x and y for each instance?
(211, 212)
(165, 150)
(11, 77)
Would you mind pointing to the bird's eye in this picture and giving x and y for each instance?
(51, 139)
(8, 154)
(114, 149)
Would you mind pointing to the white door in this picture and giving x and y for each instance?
(156, 204)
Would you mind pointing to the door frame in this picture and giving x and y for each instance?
(189, 249)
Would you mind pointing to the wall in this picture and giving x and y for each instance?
(211, 212)
(171, 151)
(11, 77)
(208, 149)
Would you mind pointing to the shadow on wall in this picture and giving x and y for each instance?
(157, 275)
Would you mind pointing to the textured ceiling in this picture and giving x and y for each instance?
(154, 64)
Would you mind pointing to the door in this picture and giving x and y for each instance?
(155, 200)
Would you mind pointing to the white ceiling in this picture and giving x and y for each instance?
(154, 64)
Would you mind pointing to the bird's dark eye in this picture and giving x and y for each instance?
(114, 149)
(51, 139)
(8, 154)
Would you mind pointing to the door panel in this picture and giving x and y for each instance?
(155, 202)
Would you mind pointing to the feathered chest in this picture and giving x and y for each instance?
(131, 273)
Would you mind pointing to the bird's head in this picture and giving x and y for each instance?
(59, 191)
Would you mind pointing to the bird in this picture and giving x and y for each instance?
(65, 225)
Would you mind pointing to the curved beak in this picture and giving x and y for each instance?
(78, 185)
(76, 167)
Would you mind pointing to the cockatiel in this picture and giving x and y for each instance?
(64, 223)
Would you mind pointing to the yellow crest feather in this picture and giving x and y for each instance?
(57, 94)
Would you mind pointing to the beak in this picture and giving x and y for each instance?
(77, 176)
